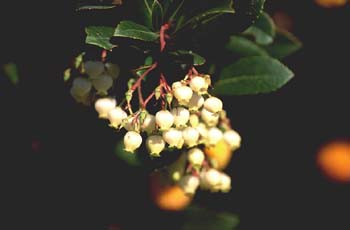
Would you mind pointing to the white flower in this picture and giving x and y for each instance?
(132, 141)
(80, 87)
(104, 105)
(194, 120)
(213, 104)
(183, 94)
(189, 184)
(113, 70)
(176, 85)
(190, 136)
(102, 83)
(196, 102)
(164, 119)
(181, 116)
(210, 179)
(130, 123)
(214, 136)
(211, 119)
(93, 68)
(233, 139)
(199, 85)
(203, 131)
(155, 144)
(149, 124)
(195, 156)
(116, 116)
(225, 183)
(174, 138)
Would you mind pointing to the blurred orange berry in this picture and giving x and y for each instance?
(331, 3)
(334, 160)
(166, 196)
(220, 154)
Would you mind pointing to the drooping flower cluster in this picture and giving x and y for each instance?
(190, 119)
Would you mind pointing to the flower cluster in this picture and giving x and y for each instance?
(189, 120)
(100, 78)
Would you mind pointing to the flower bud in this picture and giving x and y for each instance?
(211, 119)
(173, 137)
(211, 179)
(116, 116)
(102, 83)
(196, 102)
(80, 87)
(214, 136)
(213, 104)
(190, 136)
(181, 116)
(104, 105)
(189, 184)
(149, 124)
(196, 156)
(113, 70)
(155, 145)
(225, 183)
(183, 94)
(194, 120)
(93, 68)
(199, 85)
(84, 99)
(169, 98)
(164, 119)
(233, 139)
(132, 141)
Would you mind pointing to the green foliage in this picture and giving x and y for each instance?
(260, 42)
(243, 46)
(11, 72)
(252, 75)
(263, 30)
(284, 45)
(132, 30)
(203, 219)
(99, 36)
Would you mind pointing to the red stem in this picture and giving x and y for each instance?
(138, 82)
(162, 36)
(148, 99)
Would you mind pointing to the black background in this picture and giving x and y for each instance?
(73, 180)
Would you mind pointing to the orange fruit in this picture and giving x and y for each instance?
(166, 196)
(220, 154)
(331, 3)
(334, 160)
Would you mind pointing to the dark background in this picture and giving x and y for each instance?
(57, 162)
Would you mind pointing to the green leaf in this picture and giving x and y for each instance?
(99, 36)
(130, 158)
(263, 30)
(11, 72)
(176, 11)
(252, 75)
(193, 58)
(132, 30)
(244, 47)
(96, 7)
(207, 16)
(284, 45)
(157, 15)
(200, 218)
